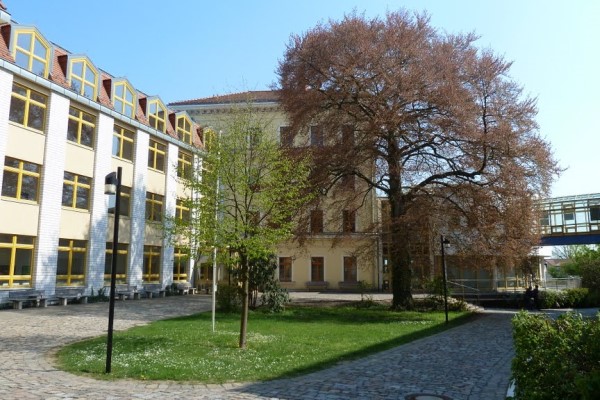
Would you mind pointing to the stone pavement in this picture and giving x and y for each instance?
(468, 362)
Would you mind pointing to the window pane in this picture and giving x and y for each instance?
(17, 111)
(36, 117)
(78, 263)
(160, 162)
(9, 184)
(22, 60)
(24, 40)
(77, 68)
(82, 198)
(67, 195)
(127, 150)
(88, 91)
(4, 260)
(116, 146)
(72, 130)
(38, 67)
(29, 185)
(62, 264)
(23, 259)
(39, 49)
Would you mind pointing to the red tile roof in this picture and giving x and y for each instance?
(256, 96)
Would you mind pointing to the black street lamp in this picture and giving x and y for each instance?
(444, 242)
(112, 185)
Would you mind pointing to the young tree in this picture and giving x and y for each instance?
(253, 187)
(437, 125)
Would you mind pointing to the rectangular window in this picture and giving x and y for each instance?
(28, 107)
(349, 221)
(81, 127)
(595, 213)
(286, 139)
(350, 269)
(16, 260)
(151, 272)
(154, 204)
(76, 191)
(285, 269)
(124, 99)
(123, 143)
(70, 268)
(21, 179)
(316, 136)
(316, 221)
(121, 273)
(125, 202)
(182, 211)
(84, 78)
(569, 213)
(180, 263)
(184, 129)
(156, 155)
(317, 269)
(184, 165)
(157, 115)
(31, 52)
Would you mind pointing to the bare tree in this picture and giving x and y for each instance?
(435, 122)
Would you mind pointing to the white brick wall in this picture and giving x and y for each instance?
(166, 269)
(99, 203)
(46, 252)
(138, 209)
(6, 81)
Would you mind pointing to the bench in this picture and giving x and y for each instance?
(317, 285)
(348, 286)
(126, 292)
(185, 288)
(64, 294)
(20, 297)
(151, 289)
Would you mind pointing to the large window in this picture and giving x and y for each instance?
(349, 221)
(124, 99)
(32, 52)
(28, 107)
(151, 271)
(154, 205)
(16, 260)
(180, 263)
(182, 211)
(121, 273)
(157, 115)
(70, 269)
(184, 129)
(21, 179)
(156, 155)
(316, 221)
(317, 269)
(184, 165)
(83, 78)
(285, 269)
(81, 127)
(123, 143)
(350, 269)
(125, 202)
(76, 191)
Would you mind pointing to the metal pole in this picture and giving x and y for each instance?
(113, 273)
(214, 266)
(444, 277)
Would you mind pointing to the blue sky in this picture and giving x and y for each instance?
(184, 49)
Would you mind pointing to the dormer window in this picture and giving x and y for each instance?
(31, 51)
(184, 129)
(124, 99)
(83, 78)
(157, 115)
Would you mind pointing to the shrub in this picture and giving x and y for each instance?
(274, 297)
(229, 298)
(570, 298)
(556, 359)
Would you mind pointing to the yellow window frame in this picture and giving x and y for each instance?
(152, 200)
(20, 171)
(122, 250)
(184, 129)
(121, 102)
(29, 52)
(28, 102)
(14, 245)
(124, 136)
(179, 266)
(84, 79)
(67, 280)
(155, 149)
(81, 121)
(76, 185)
(155, 107)
(181, 210)
(184, 164)
(150, 254)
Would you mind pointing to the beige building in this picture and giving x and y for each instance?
(340, 247)
(64, 125)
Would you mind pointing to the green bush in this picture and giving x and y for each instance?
(229, 298)
(556, 359)
(570, 298)
(274, 297)
(590, 276)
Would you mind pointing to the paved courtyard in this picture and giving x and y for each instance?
(468, 362)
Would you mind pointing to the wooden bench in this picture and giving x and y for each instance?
(27, 296)
(348, 286)
(151, 289)
(126, 292)
(185, 288)
(317, 285)
(64, 294)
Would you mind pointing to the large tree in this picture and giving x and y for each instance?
(437, 124)
(248, 192)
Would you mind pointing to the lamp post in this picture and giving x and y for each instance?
(112, 185)
(444, 242)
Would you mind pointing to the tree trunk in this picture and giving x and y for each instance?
(245, 301)
(400, 256)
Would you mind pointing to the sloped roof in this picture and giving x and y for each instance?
(256, 96)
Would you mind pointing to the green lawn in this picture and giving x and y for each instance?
(299, 340)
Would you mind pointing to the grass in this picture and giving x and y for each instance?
(297, 341)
